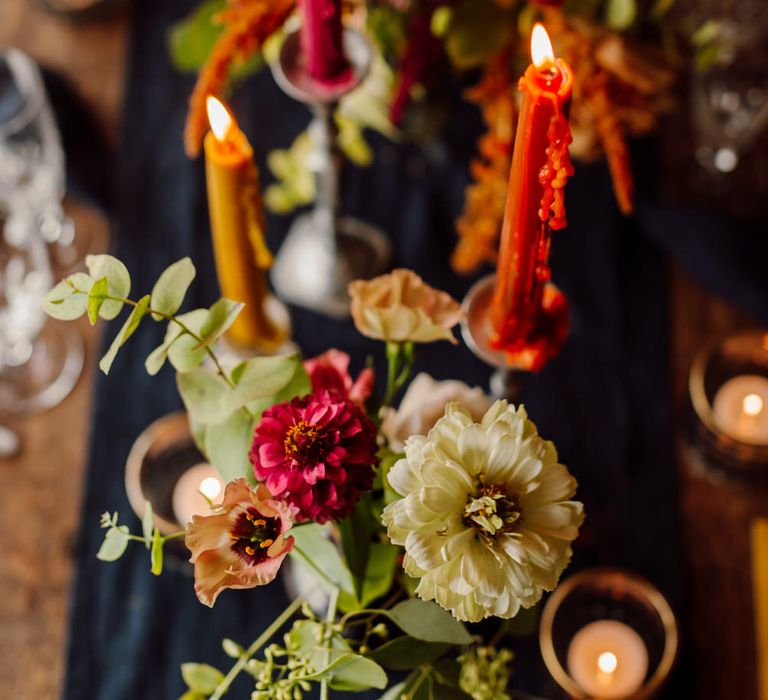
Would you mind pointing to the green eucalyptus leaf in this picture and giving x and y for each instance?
(220, 317)
(260, 377)
(128, 329)
(118, 279)
(64, 302)
(157, 553)
(201, 678)
(171, 287)
(192, 320)
(205, 395)
(148, 523)
(185, 354)
(428, 622)
(232, 649)
(313, 547)
(354, 673)
(96, 298)
(405, 653)
(227, 444)
(620, 14)
(115, 542)
(394, 693)
(193, 695)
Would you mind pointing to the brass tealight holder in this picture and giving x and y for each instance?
(619, 598)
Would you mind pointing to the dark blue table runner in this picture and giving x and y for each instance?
(604, 401)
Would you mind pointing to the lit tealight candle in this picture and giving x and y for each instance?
(608, 660)
(194, 490)
(741, 409)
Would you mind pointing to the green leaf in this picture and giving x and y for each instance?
(115, 542)
(66, 304)
(232, 649)
(201, 678)
(192, 320)
(118, 278)
(227, 444)
(259, 377)
(476, 30)
(356, 532)
(206, 395)
(171, 287)
(354, 673)
(157, 553)
(404, 653)
(193, 695)
(313, 547)
(128, 329)
(185, 354)
(620, 14)
(428, 621)
(220, 317)
(394, 693)
(379, 576)
(96, 298)
(148, 523)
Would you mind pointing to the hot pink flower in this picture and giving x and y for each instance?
(242, 545)
(330, 372)
(316, 453)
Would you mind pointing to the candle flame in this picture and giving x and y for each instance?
(542, 53)
(607, 662)
(219, 117)
(752, 404)
(210, 487)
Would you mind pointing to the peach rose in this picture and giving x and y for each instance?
(401, 307)
(242, 545)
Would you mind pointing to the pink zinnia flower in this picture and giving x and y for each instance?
(316, 453)
(242, 545)
(330, 372)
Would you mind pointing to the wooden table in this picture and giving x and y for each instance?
(42, 487)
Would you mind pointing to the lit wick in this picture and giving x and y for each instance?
(210, 487)
(542, 53)
(219, 117)
(607, 662)
(752, 405)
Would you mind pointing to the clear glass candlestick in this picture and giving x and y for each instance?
(324, 251)
(728, 388)
(608, 633)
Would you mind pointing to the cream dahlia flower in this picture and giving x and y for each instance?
(424, 403)
(485, 517)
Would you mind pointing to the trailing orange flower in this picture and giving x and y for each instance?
(248, 24)
(480, 223)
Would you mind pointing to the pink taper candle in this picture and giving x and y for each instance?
(321, 39)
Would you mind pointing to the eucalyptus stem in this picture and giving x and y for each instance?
(330, 616)
(263, 638)
(308, 560)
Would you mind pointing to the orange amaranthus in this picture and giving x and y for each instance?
(480, 223)
(247, 25)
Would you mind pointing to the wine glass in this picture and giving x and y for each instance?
(31, 156)
(40, 360)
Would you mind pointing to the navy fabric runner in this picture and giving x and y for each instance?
(604, 401)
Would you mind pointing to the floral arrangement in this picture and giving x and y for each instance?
(414, 521)
(622, 82)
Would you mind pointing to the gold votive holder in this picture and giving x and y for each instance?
(158, 459)
(613, 598)
(728, 390)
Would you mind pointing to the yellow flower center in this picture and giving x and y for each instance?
(492, 510)
(303, 443)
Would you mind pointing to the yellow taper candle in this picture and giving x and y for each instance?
(237, 225)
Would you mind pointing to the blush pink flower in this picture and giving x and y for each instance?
(330, 372)
(316, 453)
(242, 545)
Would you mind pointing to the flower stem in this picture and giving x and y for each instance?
(330, 616)
(263, 638)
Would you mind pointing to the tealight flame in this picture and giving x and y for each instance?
(219, 118)
(542, 53)
(752, 404)
(210, 487)
(607, 662)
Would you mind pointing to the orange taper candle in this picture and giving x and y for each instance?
(237, 225)
(540, 167)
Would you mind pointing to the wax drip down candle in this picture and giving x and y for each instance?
(237, 225)
(528, 313)
(321, 40)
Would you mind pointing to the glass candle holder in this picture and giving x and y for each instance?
(608, 633)
(728, 388)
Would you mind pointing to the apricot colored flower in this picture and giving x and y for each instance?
(401, 307)
(315, 453)
(330, 372)
(486, 517)
(242, 545)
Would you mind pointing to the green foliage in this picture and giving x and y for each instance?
(406, 653)
(128, 329)
(313, 548)
(476, 31)
(356, 531)
(191, 320)
(148, 524)
(218, 321)
(227, 444)
(64, 302)
(620, 15)
(96, 298)
(378, 577)
(171, 288)
(232, 649)
(116, 539)
(118, 278)
(201, 678)
(157, 553)
(428, 622)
